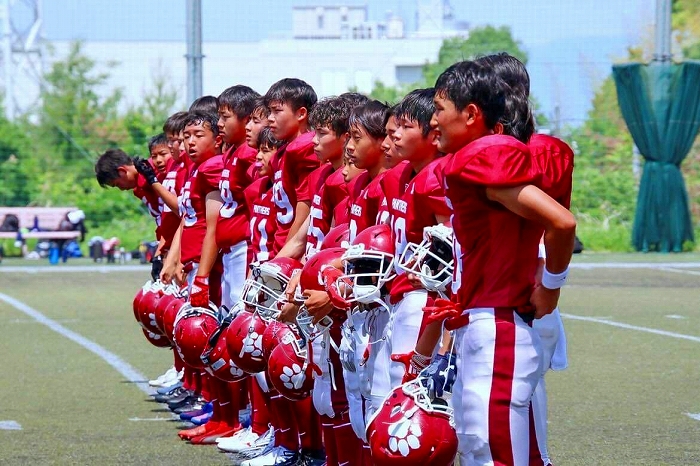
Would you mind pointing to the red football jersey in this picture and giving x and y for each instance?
(495, 250)
(150, 199)
(556, 159)
(204, 179)
(292, 164)
(262, 211)
(170, 221)
(330, 194)
(232, 227)
(414, 201)
(367, 197)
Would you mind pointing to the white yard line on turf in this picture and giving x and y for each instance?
(632, 327)
(10, 425)
(121, 366)
(675, 270)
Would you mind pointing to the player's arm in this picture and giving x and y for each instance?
(210, 250)
(301, 214)
(172, 267)
(531, 203)
(296, 244)
(170, 199)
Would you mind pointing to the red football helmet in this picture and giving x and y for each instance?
(273, 334)
(148, 303)
(216, 359)
(410, 429)
(337, 237)
(432, 261)
(170, 316)
(193, 328)
(369, 263)
(169, 294)
(265, 291)
(136, 304)
(289, 368)
(311, 279)
(244, 339)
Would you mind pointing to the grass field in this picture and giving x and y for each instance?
(625, 399)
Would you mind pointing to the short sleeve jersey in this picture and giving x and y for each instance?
(204, 179)
(174, 182)
(262, 211)
(366, 201)
(232, 226)
(495, 249)
(150, 199)
(556, 159)
(414, 203)
(331, 193)
(292, 164)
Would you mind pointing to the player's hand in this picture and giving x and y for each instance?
(440, 375)
(289, 313)
(544, 300)
(199, 292)
(337, 287)
(442, 310)
(413, 363)
(146, 170)
(156, 267)
(414, 280)
(318, 303)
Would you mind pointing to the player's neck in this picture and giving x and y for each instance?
(420, 164)
(336, 164)
(376, 170)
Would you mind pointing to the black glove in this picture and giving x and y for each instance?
(440, 374)
(156, 267)
(146, 170)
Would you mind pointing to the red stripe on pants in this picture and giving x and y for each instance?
(502, 388)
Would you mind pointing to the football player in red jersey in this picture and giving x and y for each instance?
(289, 101)
(391, 157)
(367, 132)
(415, 200)
(557, 162)
(258, 121)
(498, 353)
(235, 107)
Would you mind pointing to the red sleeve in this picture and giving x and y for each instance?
(433, 197)
(304, 161)
(209, 174)
(495, 161)
(556, 160)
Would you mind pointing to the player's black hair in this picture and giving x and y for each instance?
(417, 106)
(372, 117)
(106, 167)
(292, 91)
(200, 118)
(260, 108)
(157, 140)
(518, 120)
(467, 82)
(333, 112)
(355, 99)
(205, 104)
(175, 123)
(267, 139)
(239, 99)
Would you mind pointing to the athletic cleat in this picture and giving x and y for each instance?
(186, 396)
(206, 408)
(210, 437)
(170, 376)
(193, 432)
(244, 438)
(193, 404)
(261, 444)
(175, 392)
(169, 388)
(313, 458)
(279, 456)
(202, 419)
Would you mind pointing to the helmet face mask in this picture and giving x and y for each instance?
(431, 261)
(368, 271)
(264, 291)
(310, 331)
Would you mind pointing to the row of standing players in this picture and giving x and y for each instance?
(318, 252)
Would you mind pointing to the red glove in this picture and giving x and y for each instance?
(199, 292)
(413, 362)
(445, 310)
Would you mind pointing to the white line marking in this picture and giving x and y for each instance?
(10, 425)
(695, 416)
(148, 419)
(634, 265)
(675, 316)
(633, 327)
(674, 270)
(74, 268)
(123, 367)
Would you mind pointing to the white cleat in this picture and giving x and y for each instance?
(274, 456)
(170, 377)
(244, 438)
(260, 445)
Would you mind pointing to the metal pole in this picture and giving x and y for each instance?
(7, 60)
(662, 46)
(194, 50)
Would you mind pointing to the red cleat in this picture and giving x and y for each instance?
(189, 434)
(210, 437)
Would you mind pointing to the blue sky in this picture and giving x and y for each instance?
(571, 43)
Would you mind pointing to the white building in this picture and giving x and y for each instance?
(333, 48)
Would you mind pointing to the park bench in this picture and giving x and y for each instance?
(49, 219)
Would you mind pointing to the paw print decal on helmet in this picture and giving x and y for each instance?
(404, 436)
(292, 377)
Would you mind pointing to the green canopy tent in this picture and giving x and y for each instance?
(660, 103)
